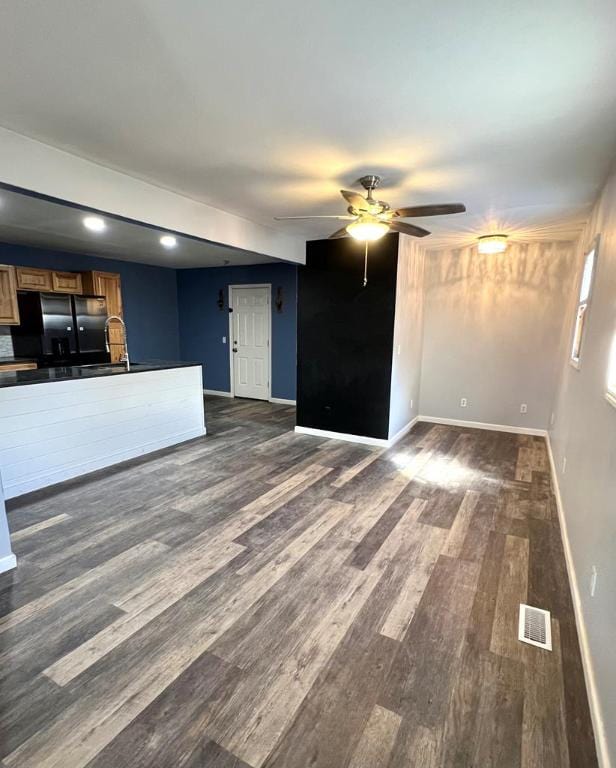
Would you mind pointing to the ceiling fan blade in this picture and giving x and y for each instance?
(430, 210)
(339, 233)
(344, 218)
(356, 200)
(408, 229)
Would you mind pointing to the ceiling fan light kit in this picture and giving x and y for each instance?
(489, 244)
(367, 228)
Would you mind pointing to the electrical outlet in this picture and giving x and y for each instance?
(564, 464)
(411, 403)
(552, 419)
(224, 339)
(523, 408)
(399, 349)
(593, 581)
(463, 402)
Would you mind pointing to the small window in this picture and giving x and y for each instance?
(611, 374)
(581, 316)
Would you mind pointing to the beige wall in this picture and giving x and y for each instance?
(584, 432)
(492, 330)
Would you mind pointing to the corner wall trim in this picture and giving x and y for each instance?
(483, 425)
(589, 674)
(218, 393)
(282, 401)
(376, 441)
(402, 432)
(7, 563)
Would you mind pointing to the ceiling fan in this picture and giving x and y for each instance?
(370, 219)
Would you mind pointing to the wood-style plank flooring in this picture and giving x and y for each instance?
(261, 598)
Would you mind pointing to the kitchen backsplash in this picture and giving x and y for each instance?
(6, 342)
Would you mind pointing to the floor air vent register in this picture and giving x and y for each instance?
(535, 627)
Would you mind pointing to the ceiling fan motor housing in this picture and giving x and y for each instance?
(370, 182)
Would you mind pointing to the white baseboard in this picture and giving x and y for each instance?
(7, 563)
(381, 443)
(376, 441)
(483, 425)
(282, 401)
(402, 432)
(218, 393)
(589, 675)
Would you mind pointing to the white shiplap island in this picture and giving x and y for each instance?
(60, 423)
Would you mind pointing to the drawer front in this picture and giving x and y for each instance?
(67, 282)
(30, 279)
(17, 367)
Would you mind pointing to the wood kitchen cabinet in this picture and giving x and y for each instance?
(9, 310)
(66, 282)
(108, 284)
(30, 366)
(34, 279)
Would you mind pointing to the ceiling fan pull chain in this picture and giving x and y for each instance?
(365, 263)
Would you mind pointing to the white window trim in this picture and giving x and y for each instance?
(573, 361)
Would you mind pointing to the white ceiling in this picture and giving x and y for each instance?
(29, 220)
(266, 108)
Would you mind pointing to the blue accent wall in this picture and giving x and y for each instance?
(203, 324)
(149, 295)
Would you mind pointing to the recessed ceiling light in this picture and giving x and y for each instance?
(94, 223)
(168, 241)
(492, 244)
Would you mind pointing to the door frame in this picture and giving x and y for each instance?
(230, 336)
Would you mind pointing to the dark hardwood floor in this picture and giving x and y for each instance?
(261, 598)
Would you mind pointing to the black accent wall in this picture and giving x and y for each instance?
(345, 336)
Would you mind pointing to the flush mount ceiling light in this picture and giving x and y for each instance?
(367, 228)
(492, 244)
(94, 223)
(168, 241)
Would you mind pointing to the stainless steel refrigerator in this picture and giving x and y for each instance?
(60, 329)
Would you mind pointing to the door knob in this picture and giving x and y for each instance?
(235, 349)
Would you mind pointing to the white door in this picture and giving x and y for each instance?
(251, 354)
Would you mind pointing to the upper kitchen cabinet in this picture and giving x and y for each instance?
(108, 284)
(33, 279)
(9, 310)
(105, 284)
(66, 282)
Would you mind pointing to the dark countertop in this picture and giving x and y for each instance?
(13, 360)
(78, 372)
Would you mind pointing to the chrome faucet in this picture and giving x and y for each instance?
(124, 358)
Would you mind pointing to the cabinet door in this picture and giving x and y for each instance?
(116, 352)
(105, 284)
(112, 291)
(108, 284)
(66, 282)
(9, 310)
(32, 279)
